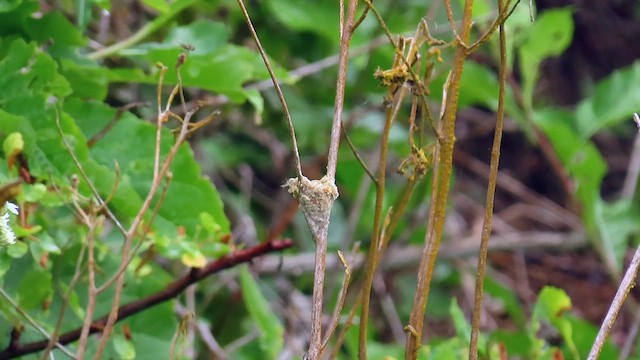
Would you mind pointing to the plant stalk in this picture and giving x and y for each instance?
(440, 192)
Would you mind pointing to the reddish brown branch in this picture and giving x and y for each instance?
(171, 291)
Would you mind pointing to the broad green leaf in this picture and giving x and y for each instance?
(268, 324)
(613, 101)
(548, 36)
(34, 289)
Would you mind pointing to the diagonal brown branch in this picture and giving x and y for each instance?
(169, 292)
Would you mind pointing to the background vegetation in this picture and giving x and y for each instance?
(120, 218)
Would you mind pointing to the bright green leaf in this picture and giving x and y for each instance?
(13, 144)
(552, 304)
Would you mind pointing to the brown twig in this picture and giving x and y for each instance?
(169, 292)
(487, 224)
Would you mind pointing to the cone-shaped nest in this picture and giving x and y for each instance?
(316, 199)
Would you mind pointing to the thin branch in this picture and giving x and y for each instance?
(341, 83)
(84, 175)
(276, 85)
(628, 282)
(633, 171)
(169, 292)
(32, 322)
(491, 191)
(341, 300)
(358, 157)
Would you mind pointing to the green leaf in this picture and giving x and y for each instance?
(616, 223)
(34, 289)
(87, 81)
(123, 347)
(580, 158)
(13, 145)
(271, 330)
(55, 27)
(188, 195)
(320, 17)
(552, 304)
(204, 35)
(17, 250)
(462, 326)
(9, 5)
(548, 36)
(160, 5)
(613, 101)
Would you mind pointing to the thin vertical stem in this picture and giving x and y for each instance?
(374, 248)
(491, 190)
(341, 84)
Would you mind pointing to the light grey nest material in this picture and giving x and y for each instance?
(316, 199)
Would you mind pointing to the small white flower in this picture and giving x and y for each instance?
(7, 236)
